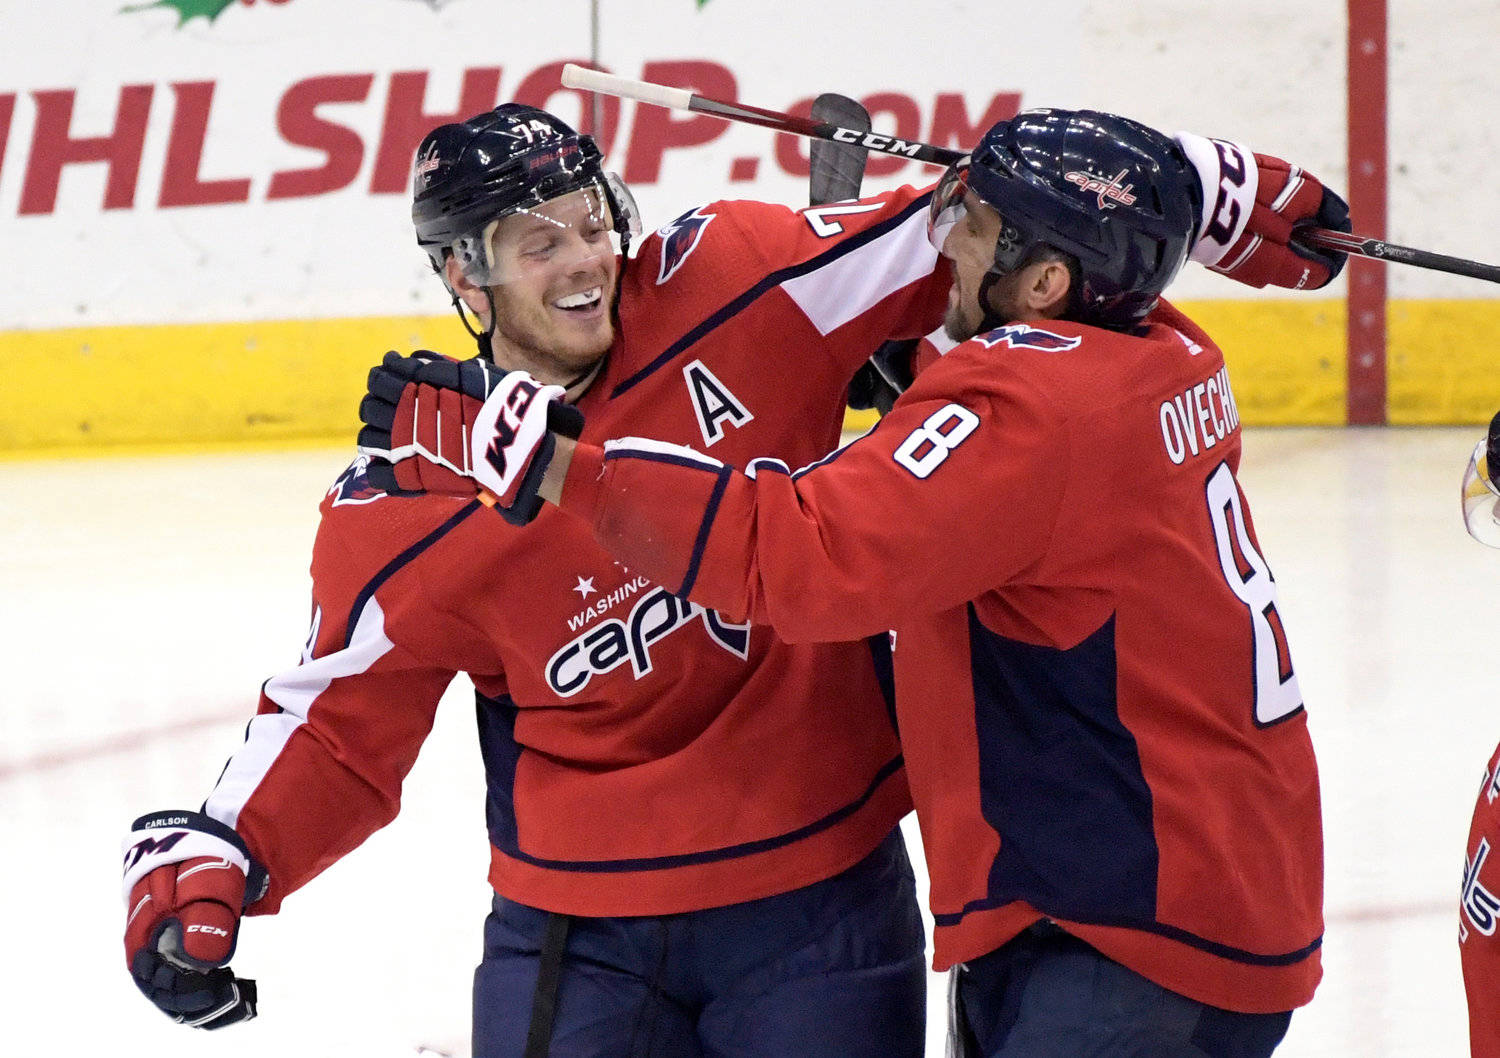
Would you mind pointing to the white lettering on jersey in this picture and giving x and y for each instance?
(712, 402)
(609, 645)
(1479, 903)
(823, 227)
(1276, 691)
(601, 606)
(928, 445)
(1199, 417)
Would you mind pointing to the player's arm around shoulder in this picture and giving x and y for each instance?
(952, 493)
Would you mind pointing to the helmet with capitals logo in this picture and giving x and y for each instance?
(1121, 199)
(469, 175)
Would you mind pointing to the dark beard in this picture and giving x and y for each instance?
(956, 327)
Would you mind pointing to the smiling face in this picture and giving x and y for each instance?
(553, 286)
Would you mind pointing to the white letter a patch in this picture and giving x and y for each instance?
(712, 402)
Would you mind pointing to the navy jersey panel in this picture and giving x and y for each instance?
(1061, 780)
(500, 752)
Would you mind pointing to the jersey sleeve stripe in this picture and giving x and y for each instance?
(766, 463)
(917, 208)
(658, 452)
(845, 289)
(294, 692)
(710, 512)
(389, 570)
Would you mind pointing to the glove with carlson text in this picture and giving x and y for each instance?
(438, 425)
(1254, 205)
(188, 878)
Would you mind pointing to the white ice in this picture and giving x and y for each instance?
(146, 598)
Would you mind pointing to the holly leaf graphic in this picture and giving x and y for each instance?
(187, 10)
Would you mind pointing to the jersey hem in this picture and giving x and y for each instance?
(699, 886)
(1188, 971)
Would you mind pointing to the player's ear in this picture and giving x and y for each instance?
(473, 296)
(1044, 289)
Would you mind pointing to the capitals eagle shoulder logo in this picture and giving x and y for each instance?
(678, 241)
(1021, 336)
(353, 485)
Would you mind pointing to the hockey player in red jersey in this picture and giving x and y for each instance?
(689, 847)
(1479, 898)
(1102, 724)
(692, 820)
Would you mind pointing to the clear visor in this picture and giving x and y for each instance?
(1481, 500)
(947, 206)
(570, 234)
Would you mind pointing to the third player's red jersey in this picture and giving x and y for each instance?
(1096, 701)
(1479, 912)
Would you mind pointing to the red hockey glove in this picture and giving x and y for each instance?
(418, 413)
(187, 879)
(456, 427)
(1253, 206)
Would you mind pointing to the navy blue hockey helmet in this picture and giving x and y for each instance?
(469, 175)
(1120, 198)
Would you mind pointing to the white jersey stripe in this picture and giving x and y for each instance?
(844, 289)
(295, 691)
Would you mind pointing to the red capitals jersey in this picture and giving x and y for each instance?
(1479, 909)
(1099, 713)
(643, 755)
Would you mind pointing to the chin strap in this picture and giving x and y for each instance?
(580, 383)
(991, 319)
(486, 347)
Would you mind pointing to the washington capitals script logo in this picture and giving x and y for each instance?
(678, 240)
(1110, 189)
(353, 485)
(1020, 336)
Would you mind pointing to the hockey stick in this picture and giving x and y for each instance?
(1389, 251)
(836, 169)
(580, 77)
(574, 76)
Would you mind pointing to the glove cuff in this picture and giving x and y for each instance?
(161, 838)
(1229, 177)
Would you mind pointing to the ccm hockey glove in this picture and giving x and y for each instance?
(1253, 206)
(418, 412)
(458, 427)
(188, 877)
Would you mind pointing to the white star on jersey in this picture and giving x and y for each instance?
(585, 587)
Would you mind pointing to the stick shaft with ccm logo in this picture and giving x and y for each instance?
(574, 76)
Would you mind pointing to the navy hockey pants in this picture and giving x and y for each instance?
(833, 970)
(1047, 994)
